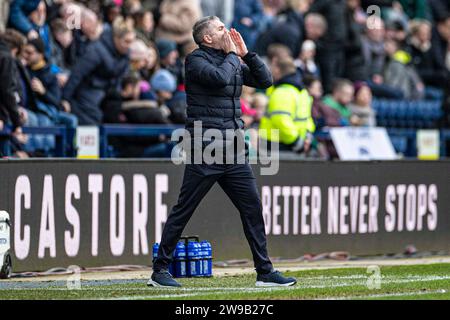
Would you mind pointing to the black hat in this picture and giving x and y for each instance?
(38, 44)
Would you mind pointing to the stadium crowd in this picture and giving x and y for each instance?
(71, 63)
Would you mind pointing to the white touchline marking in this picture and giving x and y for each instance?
(218, 290)
(381, 295)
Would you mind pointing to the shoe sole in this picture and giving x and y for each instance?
(274, 284)
(152, 283)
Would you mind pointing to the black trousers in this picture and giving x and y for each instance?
(239, 183)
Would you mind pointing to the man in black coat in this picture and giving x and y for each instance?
(9, 109)
(214, 79)
(99, 70)
(331, 47)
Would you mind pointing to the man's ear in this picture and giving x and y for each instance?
(207, 38)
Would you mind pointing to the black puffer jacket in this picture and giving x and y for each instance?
(100, 69)
(214, 83)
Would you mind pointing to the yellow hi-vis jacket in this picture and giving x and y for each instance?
(289, 111)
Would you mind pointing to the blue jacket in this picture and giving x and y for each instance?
(214, 83)
(19, 12)
(252, 9)
(100, 68)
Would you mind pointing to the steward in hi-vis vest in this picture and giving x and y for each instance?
(289, 111)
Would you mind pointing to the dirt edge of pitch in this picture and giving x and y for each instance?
(235, 271)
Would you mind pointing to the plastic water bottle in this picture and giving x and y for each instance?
(180, 261)
(194, 266)
(155, 251)
(207, 258)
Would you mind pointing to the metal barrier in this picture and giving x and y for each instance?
(64, 135)
(112, 130)
(61, 134)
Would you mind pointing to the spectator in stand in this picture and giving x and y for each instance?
(101, 68)
(38, 19)
(132, 109)
(62, 52)
(315, 26)
(90, 31)
(277, 51)
(373, 48)
(400, 74)
(289, 110)
(30, 108)
(177, 20)
(306, 61)
(323, 115)
(423, 60)
(361, 107)
(397, 30)
(340, 98)
(441, 53)
(139, 54)
(110, 12)
(19, 16)
(248, 20)
(288, 29)
(163, 84)
(144, 25)
(331, 47)
(223, 9)
(375, 59)
(169, 59)
(126, 106)
(355, 67)
(45, 84)
(440, 42)
(10, 113)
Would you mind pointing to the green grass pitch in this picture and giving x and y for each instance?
(431, 281)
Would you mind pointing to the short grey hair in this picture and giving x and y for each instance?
(201, 27)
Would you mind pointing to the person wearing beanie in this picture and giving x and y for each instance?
(164, 84)
(169, 58)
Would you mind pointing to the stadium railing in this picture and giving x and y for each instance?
(61, 134)
(403, 139)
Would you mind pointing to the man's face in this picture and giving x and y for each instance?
(31, 55)
(315, 89)
(314, 31)
(123, 44)
(89, 26)
(344, 95)
(64, 38)
(215, 34)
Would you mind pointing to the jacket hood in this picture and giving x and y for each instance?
(293, 79)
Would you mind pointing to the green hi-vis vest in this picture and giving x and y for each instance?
(288, 115)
